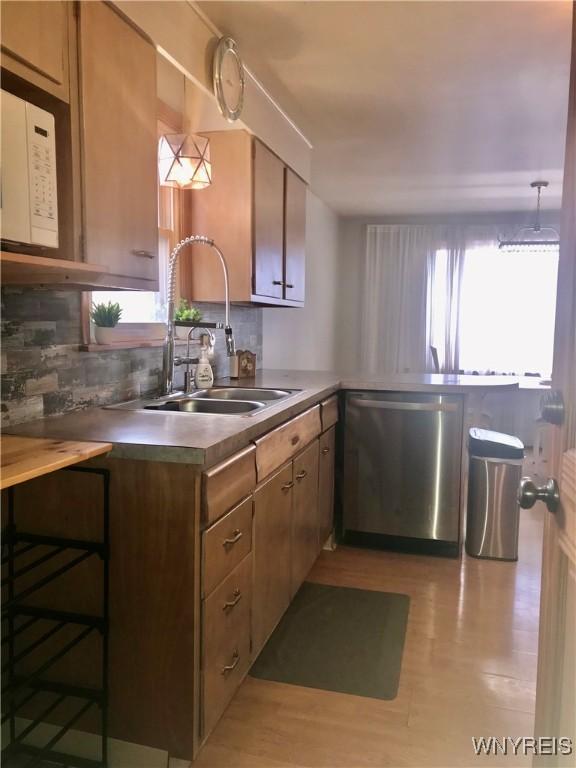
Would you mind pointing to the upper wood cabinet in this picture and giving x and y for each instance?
(255, 211)
(35, 37)
(294, 236)
(118, 121)
(268, 215)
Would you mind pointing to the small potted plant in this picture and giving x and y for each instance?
(185, 312)
(105, 318)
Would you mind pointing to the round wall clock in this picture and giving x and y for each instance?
(228, 76)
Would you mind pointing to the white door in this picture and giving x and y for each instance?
(555, 704)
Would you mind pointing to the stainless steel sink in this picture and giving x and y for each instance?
(221, 401)
(241, 393)
(198, 405)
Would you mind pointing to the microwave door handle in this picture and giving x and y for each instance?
(391, 405)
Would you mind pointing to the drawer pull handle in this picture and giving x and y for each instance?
(301, 475)
(229, 604)
(288, 485)
(289, 285)
(143, 253)
(236, 536)
(229, 667)
(325, 451)
(277, 282)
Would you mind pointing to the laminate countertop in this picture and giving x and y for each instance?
(24, 458)
(205, 439)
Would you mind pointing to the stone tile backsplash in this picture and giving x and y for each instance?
(43, 371)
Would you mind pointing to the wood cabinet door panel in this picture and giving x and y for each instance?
(268, 222)
(36, 34)
(326, 485)
(294, 237)
(118, 109)
(271, 554)
(304, 515)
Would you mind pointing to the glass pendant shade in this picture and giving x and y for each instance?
(184, 161)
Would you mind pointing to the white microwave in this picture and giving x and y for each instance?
(28, 192)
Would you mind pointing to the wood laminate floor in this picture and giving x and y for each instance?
(469, 669)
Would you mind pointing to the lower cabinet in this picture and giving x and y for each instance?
(226, 641)
(271, 551)
(304, 534)
(326, 485)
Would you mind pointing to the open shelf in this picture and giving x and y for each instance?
(22, 270)
(30, 629)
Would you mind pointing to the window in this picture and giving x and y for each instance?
(500, 311)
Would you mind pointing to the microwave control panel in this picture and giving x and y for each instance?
(42, 176)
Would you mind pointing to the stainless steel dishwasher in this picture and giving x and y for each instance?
(402, 467)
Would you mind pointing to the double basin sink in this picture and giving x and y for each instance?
(233, 401)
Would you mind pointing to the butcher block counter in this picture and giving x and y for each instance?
(24, 458)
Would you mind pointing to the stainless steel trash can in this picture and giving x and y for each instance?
(493, 514)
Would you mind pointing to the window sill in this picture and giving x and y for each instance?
(134, 344)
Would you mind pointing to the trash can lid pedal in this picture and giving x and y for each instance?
(494, 445)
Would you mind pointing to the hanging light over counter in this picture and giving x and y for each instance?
(535, 237)
(184, 161)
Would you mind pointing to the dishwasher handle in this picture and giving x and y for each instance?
(391, 405)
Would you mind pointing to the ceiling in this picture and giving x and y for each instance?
(416, 107)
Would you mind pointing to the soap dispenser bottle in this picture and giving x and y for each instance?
(203, 376)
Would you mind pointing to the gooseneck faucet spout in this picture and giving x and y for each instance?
(168, 358)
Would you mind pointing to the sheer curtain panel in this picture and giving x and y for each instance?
(395, 322)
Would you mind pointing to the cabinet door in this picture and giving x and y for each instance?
(268, 223)
(271, 553)
(305, 515)
(35, 34)
(326, 485)
(118, 94)
(295, 237)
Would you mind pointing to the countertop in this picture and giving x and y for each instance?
(205, 439)
(24, 458)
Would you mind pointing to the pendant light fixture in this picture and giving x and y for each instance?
(184, 161)
(536, 236)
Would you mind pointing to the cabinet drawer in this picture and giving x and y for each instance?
(329, 410)
(226, 641)
(225, 484)
(225, 544)
(278, 446)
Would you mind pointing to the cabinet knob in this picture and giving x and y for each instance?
(325, 451)
(288, 485)
(144, 254)
(229, 604)
(301, 475)
(289, 285)
(236, 536)
(277, 282)
(233, 664)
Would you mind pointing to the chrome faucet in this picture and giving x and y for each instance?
(168, 357)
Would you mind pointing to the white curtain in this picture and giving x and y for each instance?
(395, 320)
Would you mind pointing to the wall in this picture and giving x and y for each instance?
(45, 373)
(305, 339)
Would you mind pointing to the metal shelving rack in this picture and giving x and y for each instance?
(17, 617)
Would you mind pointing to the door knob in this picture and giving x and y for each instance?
(529, 494)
